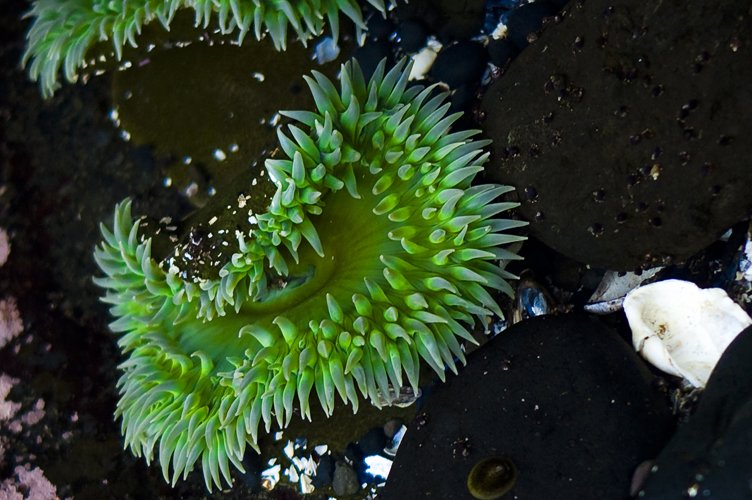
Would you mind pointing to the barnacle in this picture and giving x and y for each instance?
(64, 30)
(374, 252)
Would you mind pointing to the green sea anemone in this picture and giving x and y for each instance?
(64, 30)
(374, 252)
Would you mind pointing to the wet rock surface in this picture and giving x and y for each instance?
(565, 399)
(709, 455)
(63, 165)
(621, 128)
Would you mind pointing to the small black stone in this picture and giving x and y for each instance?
(448, 19)
(373, 442)
(412, 35)
(324, 472)
(502, 51)
(353, 452)
(462, 99)
(370, 54)
(379, 28)
(463, 62)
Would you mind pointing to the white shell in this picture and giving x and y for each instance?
(682, 329)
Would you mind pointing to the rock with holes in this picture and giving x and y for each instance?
(623, 129)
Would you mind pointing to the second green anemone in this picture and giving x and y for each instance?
(64, 30)
(374, 254)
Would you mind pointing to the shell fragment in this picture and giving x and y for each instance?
(682, 329)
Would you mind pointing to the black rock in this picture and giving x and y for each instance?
(447, 19)
(463, 62)
(253, 466)
(565, 399)
(371, 54)
(353, 453)
(412, 35)
(379, 27)
(528, 19)
(324, 472)
(373, 442)
(502, 51)
(627, 121)
(462, 98)
(711, 455)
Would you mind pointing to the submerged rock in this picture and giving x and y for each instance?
(711, 455)
(564, 399)
(622, 128)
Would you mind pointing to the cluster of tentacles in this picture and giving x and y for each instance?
(375, 252)
(64, 30)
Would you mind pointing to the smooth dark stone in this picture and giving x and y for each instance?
(563, 397)
(627, 119)
(463, 62)
(412, 36)
(447, 19)
(711, 455)
(373, 442)
(353, 452)
(324, 472)
(253, 466)
(379, 28)
(502, 51)
(371, 54)
(528, 19)
(462, 98)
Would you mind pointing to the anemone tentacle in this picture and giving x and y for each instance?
(375, 252)
(64, 30)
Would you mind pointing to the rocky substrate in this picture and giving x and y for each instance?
(621, 124)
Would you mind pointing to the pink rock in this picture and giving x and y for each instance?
(4, 247)
(11, 324)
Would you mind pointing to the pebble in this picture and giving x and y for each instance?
(379, 28)
(447, 19)
(502, 51)
(370, 54)
(373, 442)
(562, 398)
(463, 62)
(412, 36)
(324, 472)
